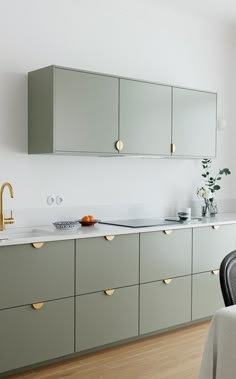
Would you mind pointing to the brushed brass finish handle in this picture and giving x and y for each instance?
(37, 306)
(215, 227)
(215, 272)
(9, 220)
(109, 292)
(109, 238)
(172, 148)
(167, 232)
(119, 145)
(37, 245)
(167, 281)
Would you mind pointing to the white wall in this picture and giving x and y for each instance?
(135, 38)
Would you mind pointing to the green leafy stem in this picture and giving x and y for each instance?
(213, 182)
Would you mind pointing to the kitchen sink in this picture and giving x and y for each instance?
(13, 234)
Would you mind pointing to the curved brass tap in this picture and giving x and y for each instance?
(3, 220)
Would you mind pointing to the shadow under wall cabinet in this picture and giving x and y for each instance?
(79, 112)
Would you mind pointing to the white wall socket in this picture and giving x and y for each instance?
(51, 200)
(59, 199)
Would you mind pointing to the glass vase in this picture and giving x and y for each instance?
(212, 207)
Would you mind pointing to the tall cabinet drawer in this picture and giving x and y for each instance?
(206, 294)
(29, 336)
(210, 245)
(164, 305)
(103, 263)
(103, 319)
(29, 275)
(165, 254)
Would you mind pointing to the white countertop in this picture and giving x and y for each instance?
(16, 236)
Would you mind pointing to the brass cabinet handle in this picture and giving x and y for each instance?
(37, 245)
(109, 238)
(215, 227)
(119, 145)
(37, 306)
(109, 292)
(167, 232)
(167, 281)
(172, 148)
(215, 272)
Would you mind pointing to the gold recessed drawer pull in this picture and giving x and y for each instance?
(38, 245)
(172, 148)
(167, 232)
(215, 227)
(37, 306)
(109, 292)
(167, 281)
(215, 272)
(109, 238)
(119, 145)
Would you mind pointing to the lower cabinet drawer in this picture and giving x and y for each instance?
(164, 305)
(207, 296)
(103, 319)
(29, 336)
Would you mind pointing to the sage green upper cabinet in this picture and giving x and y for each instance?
(145, 118)
(86, 113)
(72, 111)
(194, 123)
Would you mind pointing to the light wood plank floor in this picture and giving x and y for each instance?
(172, 355)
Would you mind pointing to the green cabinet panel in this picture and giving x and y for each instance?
(29, 336)
(211, 245)
(81, 112)
(86, 112)
(165, 305)
(207, 296)
(29, 275)
(194, 123)
(103, 319)
(103, 264)
(145, 117)
(72, 111)
(165, 255)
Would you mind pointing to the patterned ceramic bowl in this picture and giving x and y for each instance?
(65, 225)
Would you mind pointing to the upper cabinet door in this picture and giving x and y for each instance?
(86, 112)
(194, 123)
(145, 118)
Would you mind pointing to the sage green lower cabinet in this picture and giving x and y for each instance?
(210, 245)
(29, 275)
(29, 336)
(207, 296)
(165, 305)
(103, 319)
(165, 254)
(103, 264)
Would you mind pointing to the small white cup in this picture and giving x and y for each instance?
(188, 211)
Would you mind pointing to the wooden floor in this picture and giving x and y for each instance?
(173, 355)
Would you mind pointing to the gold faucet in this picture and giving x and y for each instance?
(3, 220)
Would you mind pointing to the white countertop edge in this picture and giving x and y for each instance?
(47, 233)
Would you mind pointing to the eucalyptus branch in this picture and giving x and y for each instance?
(212, 182)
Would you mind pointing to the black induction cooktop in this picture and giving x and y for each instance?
(138, 222)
